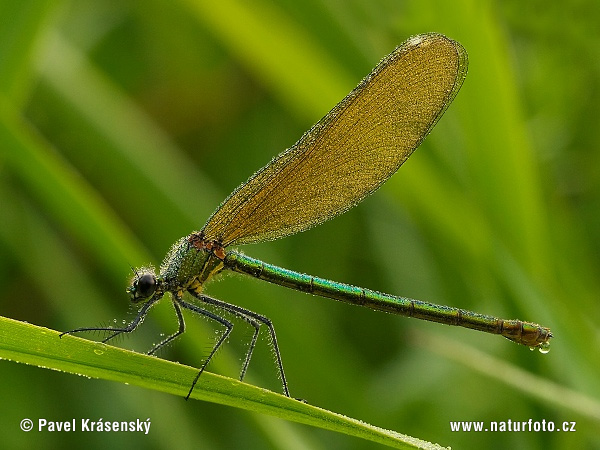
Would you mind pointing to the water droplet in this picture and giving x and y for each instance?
(544, 347)
(98, 352)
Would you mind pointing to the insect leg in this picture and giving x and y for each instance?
(180, 331)
(228, 327)
(117, 331)
(256, 320)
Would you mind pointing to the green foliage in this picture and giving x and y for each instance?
(124, 124)
(29, 344)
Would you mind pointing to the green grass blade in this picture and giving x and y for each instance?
(287, 63)
(21, 26)
(30, 344)
(530, 384)
(58, 187)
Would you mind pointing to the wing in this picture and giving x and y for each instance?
(351, 151)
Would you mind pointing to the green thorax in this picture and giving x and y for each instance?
(188, 265)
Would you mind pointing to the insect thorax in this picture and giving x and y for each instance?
(186, 265)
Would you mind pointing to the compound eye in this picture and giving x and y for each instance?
(146, 285)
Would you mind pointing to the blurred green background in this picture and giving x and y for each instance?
(124, 124)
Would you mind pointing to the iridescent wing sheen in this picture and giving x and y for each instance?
(351, 151)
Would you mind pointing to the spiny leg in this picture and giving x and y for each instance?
(180, 331)
(246, 317)
(245, 313)
(117, 331)
(251, 346)
(228, 327)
